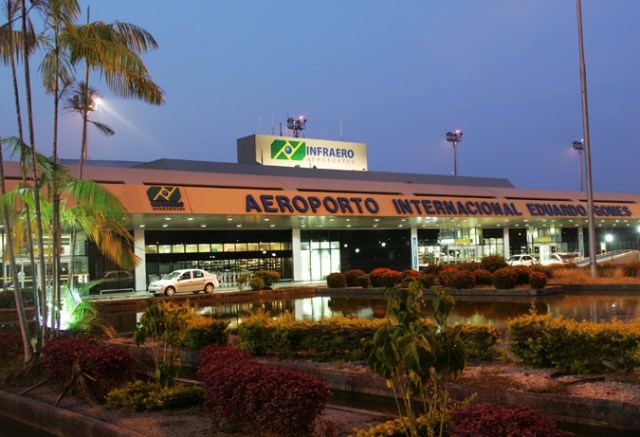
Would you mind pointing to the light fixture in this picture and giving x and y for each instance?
(454, 138)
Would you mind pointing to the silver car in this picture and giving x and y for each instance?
(178, 281)
(522, 260)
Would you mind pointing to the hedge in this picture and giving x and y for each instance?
(577, 347)
(340, 338)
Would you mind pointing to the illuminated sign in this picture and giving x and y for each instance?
(312, 204)
(302, 152)
(165, 199)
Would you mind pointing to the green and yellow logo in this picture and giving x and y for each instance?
(289, 150)
(165, 198)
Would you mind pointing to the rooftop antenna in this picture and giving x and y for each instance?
(272, 127)
(296, 125)
(340, 130)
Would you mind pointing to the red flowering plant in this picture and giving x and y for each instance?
(537, 280)
(376, 275)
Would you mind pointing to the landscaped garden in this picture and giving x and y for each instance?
(419, 358)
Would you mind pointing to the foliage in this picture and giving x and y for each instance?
(631, 270)
(363, 281)
(522, 274)
(256, 284)
(505, 278)
(468, 266)
(391, 278)
(446, 276)
(546, 270)
(10, 345)
(431, 269)
(487, 420)
(147, 396)
(242, 280)
(426, 280)
(376, 276)
(492, 263)
(537, 280)
(240, 391)
(417, 361)
(84, 318)
(204, 330)
(8, 300)
(483, 277)
(480, 340)
(572, 346)
(268, 277)
(336, 280)
(408, 276)
(463, 279)
(90, 366)
(165, 325)
(352, 277)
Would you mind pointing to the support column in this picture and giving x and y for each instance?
(141, 268)
(505, 242)
(414, 248)
(296, 249)
(581, 240)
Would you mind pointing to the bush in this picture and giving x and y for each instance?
(8, 299)
(241, 392)
(363, 281)
(426, 280)
(505, 278)
(492, 263)
(11, 346)
(256, 284)
(571, 346)
(483, 277)
(336, 280)
(546, 270)
(631, 270)
(408, 276)
(537, 280)
(463, 279)
(147, 396)
(60, 353)
(522, 274)
(487, 420)
(243, 279)
(391, 278)
(268, 277)
(468, 266)
(204, 330)
(352, 277)
(605, 270)
(431, 269)
(376, 276)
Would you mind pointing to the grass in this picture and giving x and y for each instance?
(582, 276)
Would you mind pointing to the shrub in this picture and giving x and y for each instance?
(505, 278)
(204, 330)
(493, 420)
(391, 278)
(426, 280)
(431, 269)
(147, 396)
(336, 280)
(522, 274)
(631, 270)
(268, 277)
(479, 340)
(60, 353)
(256, 284)
(239, 391)
(483, 277)
(243, 279)
(492, 263)
(352, 277)
(109, 365)
(363, 281)
(571, 346)
(8, 300)
(468, 266)
(546, 270)
(537, 280)
(606, 270)
(10, 345)
(463, 279)
(446, 276)
(376, 275)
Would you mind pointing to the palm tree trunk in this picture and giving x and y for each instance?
(36, 185)
(17, 292)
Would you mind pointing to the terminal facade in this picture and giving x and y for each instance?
(307, 208)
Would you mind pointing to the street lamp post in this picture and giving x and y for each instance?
(455, 137)
(579, 147)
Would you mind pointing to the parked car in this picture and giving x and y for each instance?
(562, 258)
(119, 280)
(554, 258)
(179, 281)
(522, 260)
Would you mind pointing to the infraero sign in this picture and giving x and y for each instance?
(165, 198)
(310, 153)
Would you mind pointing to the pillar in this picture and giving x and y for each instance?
(296, 249)
(505, 242)
(141, 268)
(414, 248)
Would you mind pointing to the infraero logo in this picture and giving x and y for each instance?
(165, 198)
(288, 150)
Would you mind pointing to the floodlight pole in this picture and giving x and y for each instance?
(587, 146)
(579, 147)
(454, 138)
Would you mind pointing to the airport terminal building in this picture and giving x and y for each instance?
(309, 207)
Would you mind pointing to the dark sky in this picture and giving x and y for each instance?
(397, 75)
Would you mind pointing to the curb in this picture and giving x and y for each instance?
(56, 421)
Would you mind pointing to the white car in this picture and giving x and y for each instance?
(522, 260)
(554, 258)
(178, 281)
